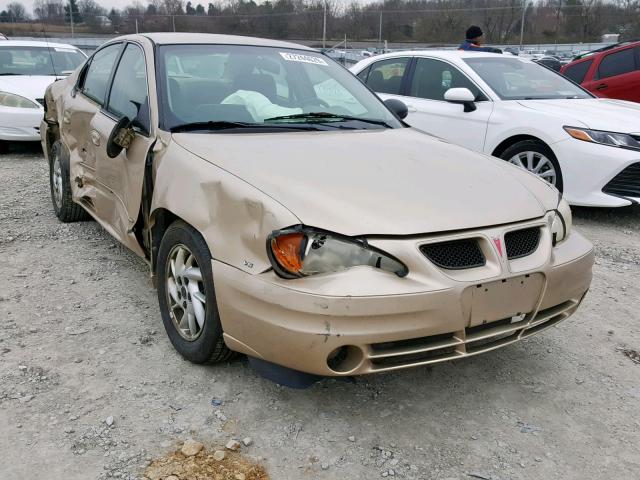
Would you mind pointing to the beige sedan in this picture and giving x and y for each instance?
(288, 214)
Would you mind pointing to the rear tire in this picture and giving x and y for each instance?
(187, 296)
(536, 157)
(60, 183)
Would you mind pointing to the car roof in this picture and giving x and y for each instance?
(34, 43)
(444, 54)
(173, 38)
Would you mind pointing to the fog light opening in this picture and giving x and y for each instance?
(345, 359)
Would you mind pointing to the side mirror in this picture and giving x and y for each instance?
(397, 107)
(120, 137)
(462, 96)
(124, 131)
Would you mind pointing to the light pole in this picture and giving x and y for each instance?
(324, 26)
(71, 17)
(524, 9)
(380, 30)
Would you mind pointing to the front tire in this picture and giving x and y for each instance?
(537, 158)
(187, 296)
(60, 183)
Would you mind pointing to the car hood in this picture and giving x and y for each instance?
(597, 113)
(386, 182)
(29, 86)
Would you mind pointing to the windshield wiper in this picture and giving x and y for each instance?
(226, 125)
(327, 115)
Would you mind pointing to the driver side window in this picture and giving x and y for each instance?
(129, 84)
(432, 78)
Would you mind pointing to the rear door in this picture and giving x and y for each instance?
(429, 111)
(81, 105)
(118, 204)
(618, 76)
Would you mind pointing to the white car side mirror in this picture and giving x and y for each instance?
(462, 96)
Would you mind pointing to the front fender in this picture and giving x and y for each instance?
(234, 217)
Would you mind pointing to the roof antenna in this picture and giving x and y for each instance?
(46, 39)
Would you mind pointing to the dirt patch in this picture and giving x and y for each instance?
(205, 466)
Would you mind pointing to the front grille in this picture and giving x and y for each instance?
(626, 183)
(40, 101)
(455, 254)
(520, 243)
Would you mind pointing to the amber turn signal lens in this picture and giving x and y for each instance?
(287, 250)
(578, 134)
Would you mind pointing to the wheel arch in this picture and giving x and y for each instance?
(508, 142)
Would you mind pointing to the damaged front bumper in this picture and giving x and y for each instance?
(363, 321)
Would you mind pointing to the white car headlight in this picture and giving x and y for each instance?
(613, 139)
(301, 251)
(16, 101)
(561, 223)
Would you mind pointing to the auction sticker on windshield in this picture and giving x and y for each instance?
(296, 57)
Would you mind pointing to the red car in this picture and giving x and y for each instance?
(610, 72)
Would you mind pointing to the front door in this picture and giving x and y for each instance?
(618, 76)
(429, 111)
(118, 201)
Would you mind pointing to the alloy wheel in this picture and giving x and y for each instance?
(536, 163)
(185, 293)
(56, 181)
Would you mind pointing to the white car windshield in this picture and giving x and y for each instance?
(516, 79)
(263, 86)
(23, 60)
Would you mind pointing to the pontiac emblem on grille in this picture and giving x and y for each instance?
(498, 243)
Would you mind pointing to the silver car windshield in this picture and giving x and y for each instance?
(516, 79)
(263, 86)
(23, 60)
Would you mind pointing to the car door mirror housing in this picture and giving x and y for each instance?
(462, 96)
(120, 137)
(397, 107)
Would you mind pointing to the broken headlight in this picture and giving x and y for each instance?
(300, 252)
(561, 222)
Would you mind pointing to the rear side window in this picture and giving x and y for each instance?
(386, 76)
(578, 71)
(617, 63)
(129, 83)
(97, 76)
(432, 78)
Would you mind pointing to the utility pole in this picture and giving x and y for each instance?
(136, 24)
(524, 9)
(380, 31)
(173, 21)
(324, 26)
(71, 17)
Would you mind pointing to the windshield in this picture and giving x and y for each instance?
(516, 79)
(18, 60)
(263, 86)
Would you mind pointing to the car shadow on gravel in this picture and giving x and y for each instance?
(608, 216)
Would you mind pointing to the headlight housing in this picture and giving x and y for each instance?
(300, 251)
(561, 222)
(16, 101)
(613, 139)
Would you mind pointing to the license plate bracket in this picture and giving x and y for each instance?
(506, 298)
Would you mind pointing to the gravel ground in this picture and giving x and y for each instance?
(90, 387)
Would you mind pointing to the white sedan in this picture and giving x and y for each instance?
(26, 70)
(515, 109)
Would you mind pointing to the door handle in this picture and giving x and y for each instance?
(602, 86)
(95, 138)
